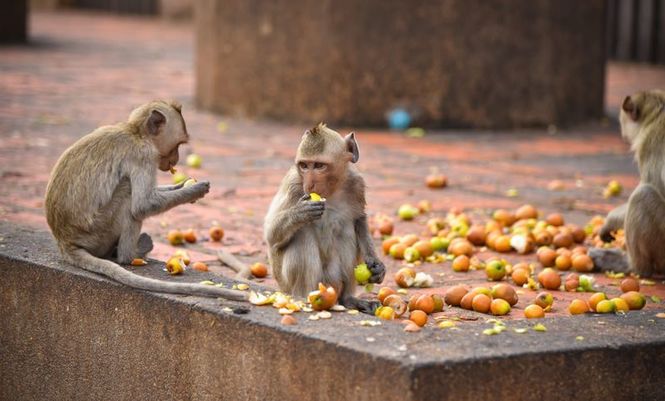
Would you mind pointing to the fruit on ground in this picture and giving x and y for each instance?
(534, 312)
(259, 270)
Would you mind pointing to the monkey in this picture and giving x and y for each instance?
(642, 119)
(104, 186)
(311, 242)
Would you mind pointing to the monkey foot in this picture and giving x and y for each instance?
(362, 305)
(144, 245)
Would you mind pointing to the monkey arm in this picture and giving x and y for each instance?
(282, 225)
(148, 200)
(366, 247)
(171, 187)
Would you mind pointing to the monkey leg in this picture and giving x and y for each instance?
(128, 244)
(614, 221)
(302, 268)
(645, 231)
(144, 245)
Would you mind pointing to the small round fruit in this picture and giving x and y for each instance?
(467, 300)
(216, 233)
(526, 212)
(543, 238)
(259, 270)
(502, 244)
(534, 312)
(178, 177)
(387, 243)
(554, 219)
(504, 217)
(362, 273)
(605, 306)
(200, 266)
(396, 303)
(582, 263)
(506, 292)
(461, 263)
(175, 266)
(520, 276)
(189, 236)
(386, 227)
(322, 299)
(577, 307)
(571, 284)
(563, 240)
(630, 284)
(546, 256)
(404, 277)
(620, 305)
(407, 212)
(476, 235)
(409, 239)
(384, 292)
(495, 270)
(549, 279)
(562, 262)
(500, 307)
(461, 247)
(436, 181)
(438, 243)
(425, 303)
(481, 303)
(595, 299)
(418, 317)
(411, 254)
(194, 160)
(545, 300)
(578, 234)
(424, 247)
(454, 295)
(385, 313)
(634, 299)
(397, 250)
(175, 237)
(438, 303)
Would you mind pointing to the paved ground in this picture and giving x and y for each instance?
(84, 70)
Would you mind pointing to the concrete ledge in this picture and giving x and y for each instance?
(70, 335)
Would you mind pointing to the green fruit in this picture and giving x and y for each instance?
(194, 160)
(439, 244)
(605, 306)
(411, 254)
(407, 212)
(362, 273)
(179, 177)
(495, 270)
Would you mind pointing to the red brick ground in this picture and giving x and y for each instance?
(84, 70)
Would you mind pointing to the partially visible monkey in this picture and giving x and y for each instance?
(104, 186)
(311, 242)
(642, 120)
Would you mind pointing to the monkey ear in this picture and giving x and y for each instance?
(155, 122)
(630, 108)
(352, 146)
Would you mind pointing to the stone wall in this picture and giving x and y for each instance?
(451, 63)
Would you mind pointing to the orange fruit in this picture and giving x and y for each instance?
(577, 307)
(534, 312)
(499, 307)
(418, 317)
(200, 266)
(630, 284)
(461, 263)
(595, 299)
(189, 236)
(562, 262)
(387, 243)
(455, 294)
(481, 303)
(259, 270)
(555, 219)
(216, 233)
(549, 279)
(384, 292)
(582, 263)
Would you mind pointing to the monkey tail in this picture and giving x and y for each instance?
(609, 259)
(243, 271)
(83, 259)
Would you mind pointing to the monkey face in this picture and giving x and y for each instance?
(320, 176)
(168, 132)
(637, 109)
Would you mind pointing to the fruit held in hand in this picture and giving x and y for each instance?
(259, 270)
(362, 273)
(314, 197)
(178, 177)
(322, 299)
(216, 233)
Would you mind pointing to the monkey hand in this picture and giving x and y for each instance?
(307, 210)
(377, 268)
(198, 190)
(606, 233)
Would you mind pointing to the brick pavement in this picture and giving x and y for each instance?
(83, 70)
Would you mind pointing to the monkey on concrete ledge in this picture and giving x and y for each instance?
(311, 242)
(104, 186)
(643, 216)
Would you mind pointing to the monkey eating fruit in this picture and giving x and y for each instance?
(104, 186)
(311, 242)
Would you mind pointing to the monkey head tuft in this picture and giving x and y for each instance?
(320, 139)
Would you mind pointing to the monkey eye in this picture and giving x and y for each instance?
(319, 166)
(302, 166)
